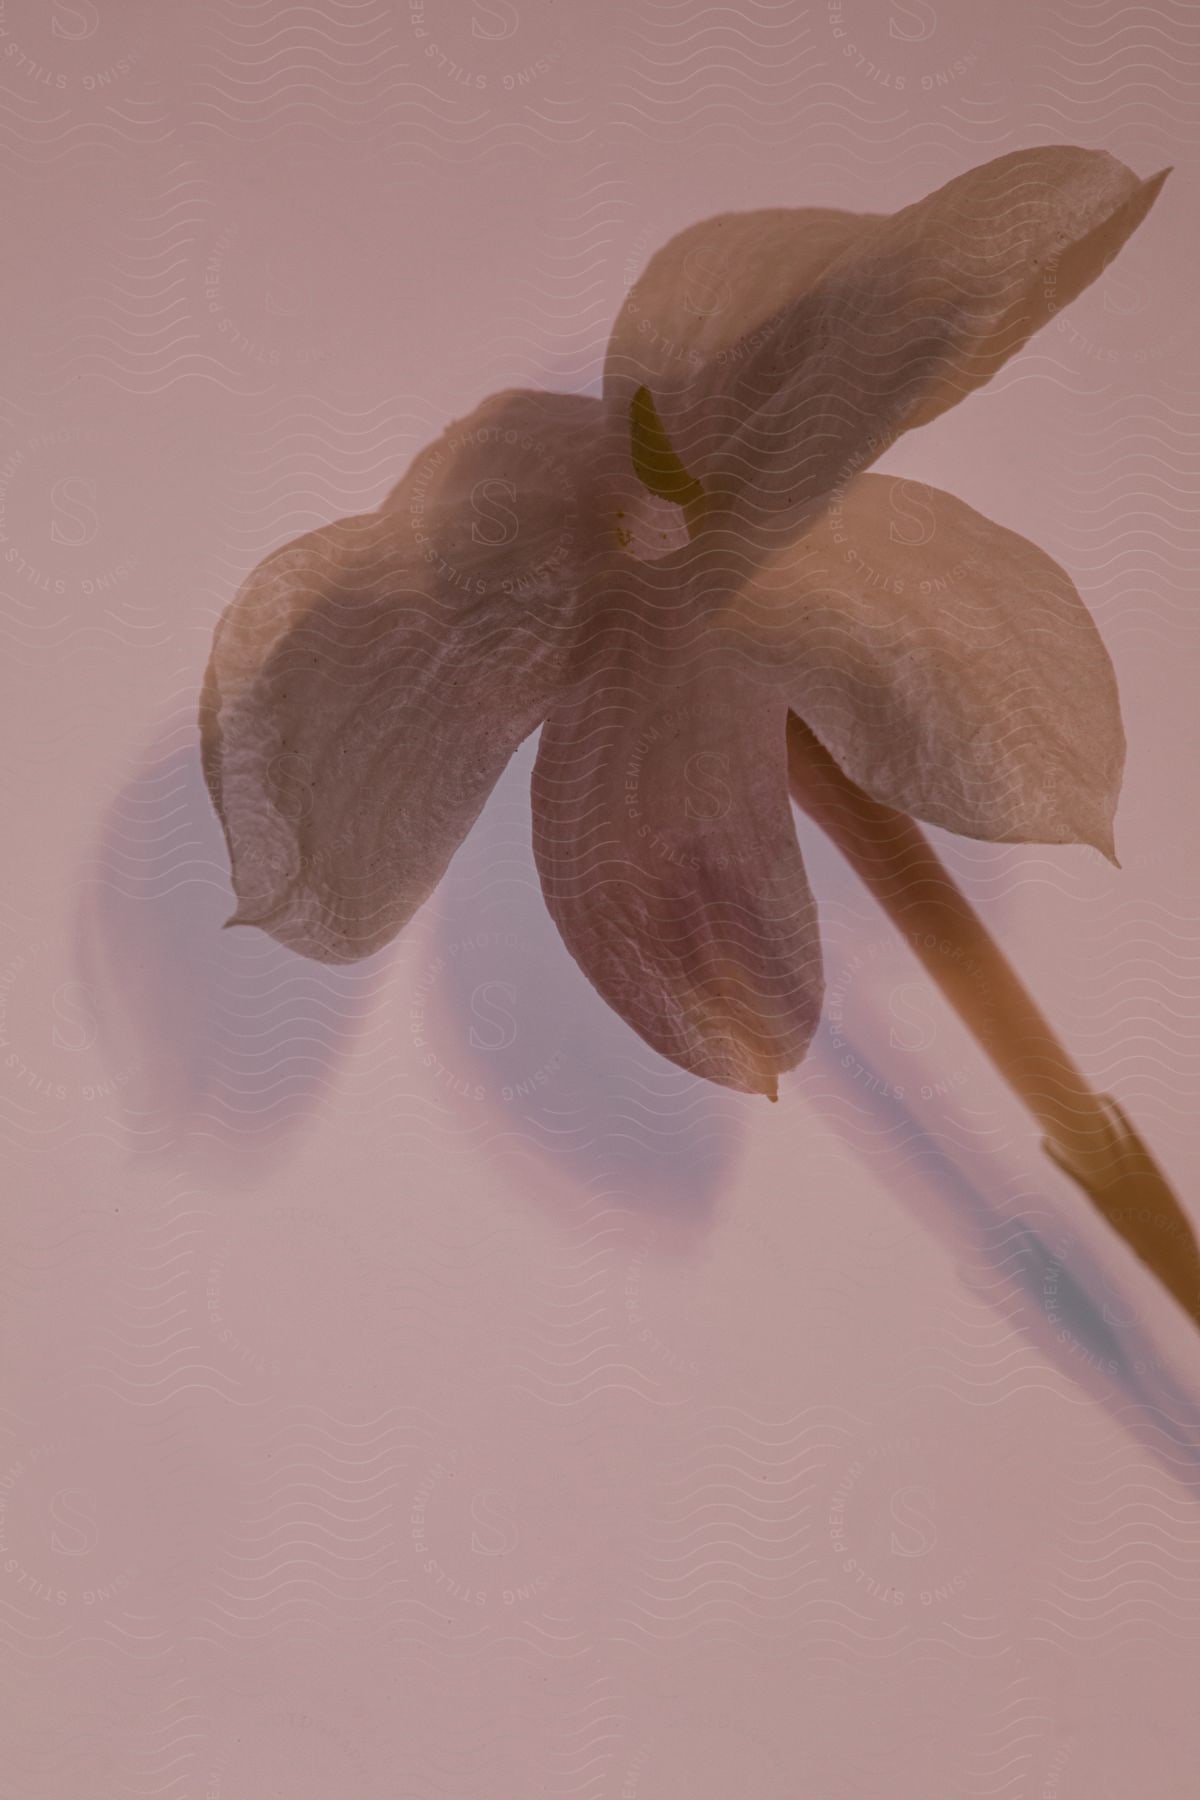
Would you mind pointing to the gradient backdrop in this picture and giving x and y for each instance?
(412, 1386)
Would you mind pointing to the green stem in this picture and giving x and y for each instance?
(1085, 1133)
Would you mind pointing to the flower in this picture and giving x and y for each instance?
(657, 579)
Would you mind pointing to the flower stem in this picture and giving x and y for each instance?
(1086, 1133)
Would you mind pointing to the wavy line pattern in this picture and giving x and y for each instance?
(416, 1386)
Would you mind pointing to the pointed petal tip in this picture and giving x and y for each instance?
(760, 1079)
(751, 1079)
(1105, 842)
(754, 1072)
(1152, 187)
(242, 916)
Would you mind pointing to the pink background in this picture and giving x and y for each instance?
(369, 1427)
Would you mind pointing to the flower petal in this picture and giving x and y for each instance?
(371, 680)
(668, 857)
(1022, 237)
(539, 479)
(711, 287)
(914, 312)
(947, 664)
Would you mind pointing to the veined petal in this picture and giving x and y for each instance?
(1022, 237)
(913, 312)
(371, 680)
(947, 664)
(704, 294)
(668, 858)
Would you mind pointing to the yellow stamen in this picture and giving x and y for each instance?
(656, 464)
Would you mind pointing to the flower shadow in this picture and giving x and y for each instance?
(234, 1040)
(527, 1055)
(1050, 1282)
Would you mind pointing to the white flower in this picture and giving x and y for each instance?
(657, 579)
